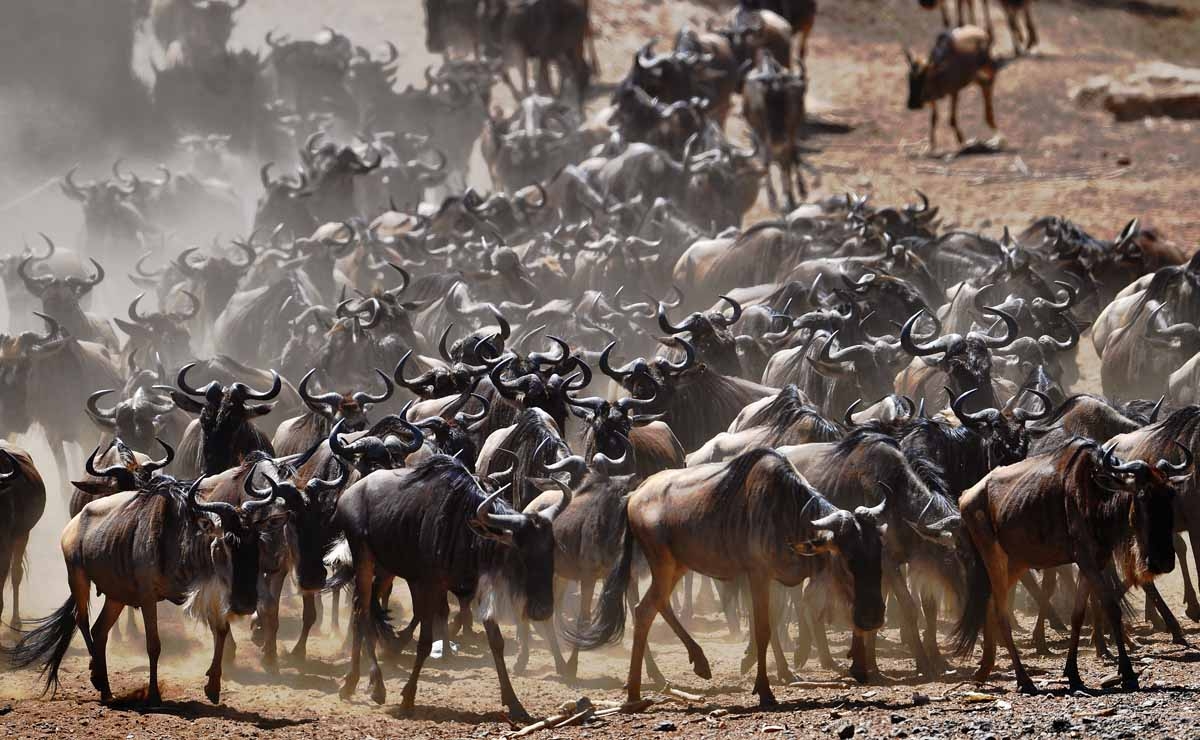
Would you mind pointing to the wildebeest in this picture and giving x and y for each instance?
(22, 500)
(224, 433)
(755, 517)
(200, 27)
(773, 103)
(60, 297)
(959, 58)
(435, 527)
(1077, 504)
(141, 547)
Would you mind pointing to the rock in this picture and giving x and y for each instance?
(1124, 160)
(919, 699)
(665, 727)
(898, 718)
(846, 732)
(1154, 89)
(1061, 724)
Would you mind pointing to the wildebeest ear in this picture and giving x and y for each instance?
(260, 409)
(206, 525)
(93, 488)
(186, 402)
(819, 545)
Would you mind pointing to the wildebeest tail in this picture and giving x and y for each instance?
(47, 643)
(608, 621)
(340, 562)
(977, 601)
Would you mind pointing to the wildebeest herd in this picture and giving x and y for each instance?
(596, 375)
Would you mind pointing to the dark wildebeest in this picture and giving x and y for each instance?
(959, 58)
(1078, 504)
(549, 31)
(225, 433)
(435, 527)
(22, 500)
(773, 103)
(965, 362)
(324, 410)
(141, 547)
(800, 14)
(200, 27)
(754, 517)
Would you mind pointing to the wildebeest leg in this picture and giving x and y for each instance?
(219, 626)
(728, 592)
(587, 587)
(1112, 609)
(989, 109)
(966, 8)
(772, 198)
(1189, 592)
(1193, 610)
(17, 574)
(99, 665)
(1014, 28)
(364, 593)
(5, 558)
(508, 697)
(929, 605)
(760, 599)
(335, 609)
(954, 118)
(909, 634)
(309, 618)
(463, 621)
(804, 635)
(428, 610)
(153, 648)
(652, 672)
(1002, 584)
(1031, 37)
(695, 653)
(268, 619)
(946, 12)
(933, 120)
(522, 647)
(689, 605)
(545, 630)
(987, 20)
(1172, 624)
(1071, 669)
(656, 600)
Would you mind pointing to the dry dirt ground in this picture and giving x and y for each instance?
(1057, 160)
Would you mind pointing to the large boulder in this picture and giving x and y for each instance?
(1155, 89)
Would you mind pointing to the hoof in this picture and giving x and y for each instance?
(347, 691)
(1193, 613)
(748, 662)
(517, 713)
(213, 693)
(767, 699)
(786, 677)
(153, 698)
(860, 675)
(378, 693)
(700, 667)
(1026, 687)
(1130, 683)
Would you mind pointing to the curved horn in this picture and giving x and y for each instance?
(1175, 470)
(108, 418)
(168, 456)
(331, 400)
(276, 386)
(363, 398)
(1022, 415)
(181, 382)
(987, 416)
(665, 323)
(737, 311)
(911, 347)
(1011, 329)
(689, 356)
(1113, 463)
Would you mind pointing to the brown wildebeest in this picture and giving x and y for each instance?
(755, 517)
(960, 57)
(141, 547)
(1078, 504)
(773, 103)
(22, 501)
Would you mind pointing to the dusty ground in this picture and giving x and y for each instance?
(1058, 160)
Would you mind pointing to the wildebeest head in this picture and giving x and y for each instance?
(653, 379)
(350, 408)
(138, 418)
(108, 213)
(709, 334)
(60, 296)
(310, 510)
(218, 276)
(225, 416)
(529, 539)
(918, 69)
(857, 537)
(547, 382)
(283, 202)
(454, 429)
(875, 362)
(166, 332)
(210, 24)
(235, 542)
(1150, 507)
(611, 422)
(1003, 430)
(128, 474)
(966, 359)
(385, 446)
(18, 356)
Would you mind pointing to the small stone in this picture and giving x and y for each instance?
(1062, 724)
(665, 727)
(898, 718)
(846, 732)
(919, 699)
(1124, 160)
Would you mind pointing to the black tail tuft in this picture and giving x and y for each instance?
(47, 643)
(608, 621)
(975, 604)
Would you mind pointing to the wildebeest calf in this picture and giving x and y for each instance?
(959, 58)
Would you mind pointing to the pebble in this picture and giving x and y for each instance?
(665, 727)
(1062, 724)
(898, 718)
(846, 732)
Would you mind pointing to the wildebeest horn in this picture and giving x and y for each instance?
(877, 511)
(11, 464)
(665, 323)
(330, 399)
(70, 187)
(545, 358)
(316, 486)
(1022, 415)
(363, 397)
(914, 349)
(503, 522)
(847, 418)
(689, 358)
(1157, 408)
(441, 345)
(168, 456)
(505, 329)
(416, 385)
(268, 395)
(1011, 329)
(1112, 462)
(258, 501)
(987, 416)
(828, 522)
(181, 382)
(618, 374)
(106, 418)
(114, 471)
(132, 312)
(551, 512)
(225, 512)
(1177, 471)
(737, 311)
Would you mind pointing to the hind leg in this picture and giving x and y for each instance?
(652, 672)
(99, 663)
(429, 600)
(364, 577)
(18, 575)
(1031, 36)
(309, 618)
(268, 616)
(760, 600)
(219, 627)
(508, 697)
(695, 653)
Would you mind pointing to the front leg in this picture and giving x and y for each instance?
(309, 618)
(153, 649)
(508, 697)
(909, 633)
